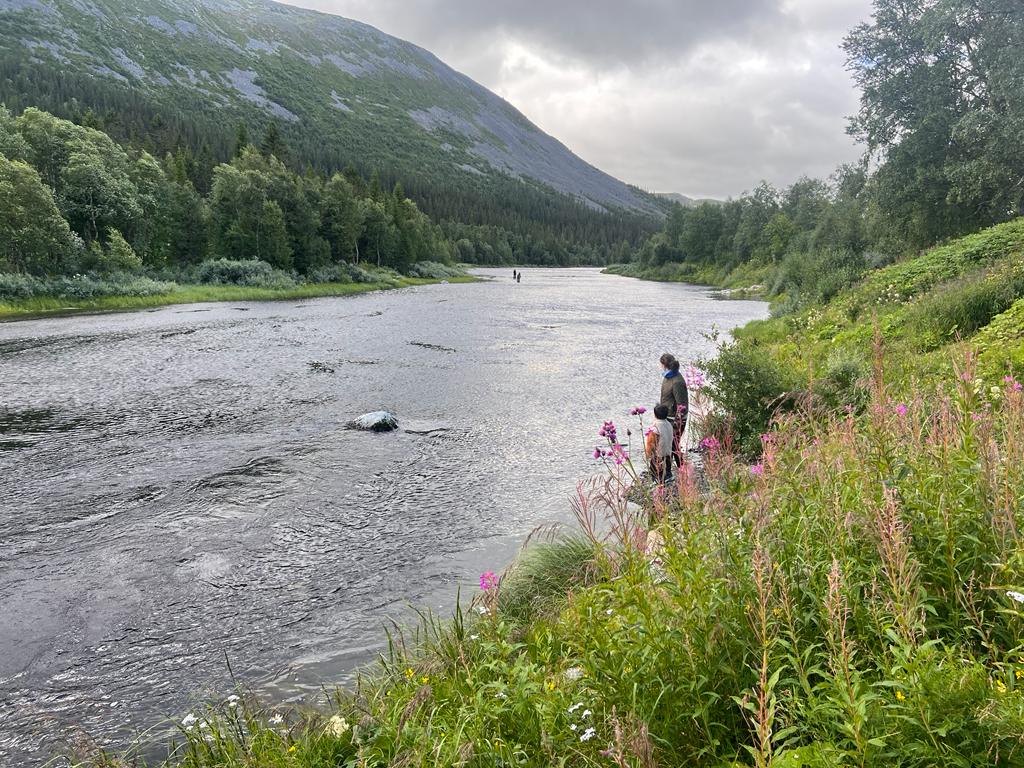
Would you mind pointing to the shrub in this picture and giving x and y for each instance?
(434, 271)
(751, 387)
(251, 273)
(19, 286)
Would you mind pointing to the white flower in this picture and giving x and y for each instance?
(203, 724)
(189, 719)
(474, 637)
(482, 610)
(337, 726)
(586, 713)
(501, 695)
(574, 707)
(276, 720)
(609, 612)
(232, 701)
(574, 673)
(1016, 596)
(572, 727)
(588, 734)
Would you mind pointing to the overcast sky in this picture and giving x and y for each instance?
(703, 97)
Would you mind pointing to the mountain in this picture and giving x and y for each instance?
(341, 91)
(683, 200)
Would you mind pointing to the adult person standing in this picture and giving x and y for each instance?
(676, 397)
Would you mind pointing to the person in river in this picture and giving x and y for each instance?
(519, 277)
(676, 397)
(515, 276)
(659, 445)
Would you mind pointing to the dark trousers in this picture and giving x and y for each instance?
(661, 469)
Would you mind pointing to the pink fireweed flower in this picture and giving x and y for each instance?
(694, 378)
(638, 411)
(1013, 384)
(488, 581)
(710, 444)
(757, 470)
(901, 409)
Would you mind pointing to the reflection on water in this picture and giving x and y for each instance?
(178, 487)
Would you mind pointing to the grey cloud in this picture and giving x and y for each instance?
(700, 97)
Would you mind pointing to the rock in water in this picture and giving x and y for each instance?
(379, 421)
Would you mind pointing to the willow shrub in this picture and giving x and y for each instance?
(853, 600)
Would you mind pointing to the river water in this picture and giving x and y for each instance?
(178, 489)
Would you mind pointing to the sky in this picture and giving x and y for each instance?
(702, 97)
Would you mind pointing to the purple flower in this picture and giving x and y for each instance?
(488, 581)
(901, 410)
(757, 469)
(1013, 384)
(694, 378)
(710, 444)
(609, 432)
(638, 411)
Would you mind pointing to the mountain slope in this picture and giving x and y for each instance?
(341, 90)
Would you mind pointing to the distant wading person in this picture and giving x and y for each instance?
(676, 397)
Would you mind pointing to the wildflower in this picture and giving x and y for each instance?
(900, 696)
(232, 701)
(609, 612)
(337, 726)
(694, 378)
(588, 734)
(551, 685)
(292, 748)
(586, 713)
(424, 680)
(1000, 686)
(409, 674)
(188, 720)
(638, 411)
(501, 695)
(710, 444)
(574, 707)
(276, 720)
(1018, 675)
(474, 637)
(488, 581)
(574, 673)
(483, 610)
(1015, 596)
(573, 727)
(757, 470)
(901, 410)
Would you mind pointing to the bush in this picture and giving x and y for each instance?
(434, 271)
(751, 387)
(250, 273)
(19, 286)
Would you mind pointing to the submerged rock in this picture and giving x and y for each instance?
(379, 421)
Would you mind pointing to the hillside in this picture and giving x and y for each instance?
(341, 91)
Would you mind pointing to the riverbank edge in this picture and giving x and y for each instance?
(51, 306)
(728, 288)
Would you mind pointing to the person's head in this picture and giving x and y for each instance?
(669, 362)
(661, 411)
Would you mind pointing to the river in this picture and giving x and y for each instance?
(178, 488)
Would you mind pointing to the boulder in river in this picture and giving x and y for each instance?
(378, 421)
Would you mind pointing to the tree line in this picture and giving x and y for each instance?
(942, 120)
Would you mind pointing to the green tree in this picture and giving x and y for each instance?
(341, 219)
(34, 237)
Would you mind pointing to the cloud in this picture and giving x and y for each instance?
(704, 98)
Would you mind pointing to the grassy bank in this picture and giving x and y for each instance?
(193, 294)
(747, 279)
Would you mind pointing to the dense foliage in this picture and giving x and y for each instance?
(72, 200)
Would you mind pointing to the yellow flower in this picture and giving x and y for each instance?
(424, 679)
(900, 696)
(1000, 686)
(1019, 675)
(551, 685)
(409, 674)
(292, 748)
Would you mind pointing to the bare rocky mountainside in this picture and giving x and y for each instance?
(340, 90)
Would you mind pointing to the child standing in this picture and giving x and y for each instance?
(658, 445)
